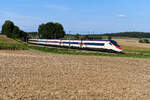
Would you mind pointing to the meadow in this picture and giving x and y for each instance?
(131, 48)
(10, 44)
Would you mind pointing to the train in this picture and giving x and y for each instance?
(101, 45)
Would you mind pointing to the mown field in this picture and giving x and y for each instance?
(64, 74)
(132, 46)
(33, 75)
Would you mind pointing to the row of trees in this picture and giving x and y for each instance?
(52, 30)
(130, 34)
(12, 31)
(87, 37)
(49, 30)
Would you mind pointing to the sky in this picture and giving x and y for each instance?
(79, 16)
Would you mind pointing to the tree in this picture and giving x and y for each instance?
(109, 37)
(15, 32)
(146, 41)
(22, 34)
(100, 37)
(60, 33)
(141, 41)
(12, 31)
(51, 31)
(130, 34)
(41, 30)
(7, 28)
(86, 37)
(77, 36)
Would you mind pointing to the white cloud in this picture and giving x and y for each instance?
(122, 15)
(57, 7)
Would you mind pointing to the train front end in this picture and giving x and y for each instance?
(115, 46)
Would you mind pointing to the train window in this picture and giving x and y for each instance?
(34, 40)
(115, 43)
(110, 43)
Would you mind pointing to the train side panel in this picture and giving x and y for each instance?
(106, 44)
(94, 44)
(75, 43)
(65, 43)
(53, 42)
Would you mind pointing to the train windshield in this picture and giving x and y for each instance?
(115, 43)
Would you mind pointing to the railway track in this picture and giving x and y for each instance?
(79, 49)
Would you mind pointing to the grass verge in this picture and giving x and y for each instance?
(79, 52)
(136, 50)
(10, 44)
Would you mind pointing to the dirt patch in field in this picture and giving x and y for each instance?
(132, 42)
(28, 75)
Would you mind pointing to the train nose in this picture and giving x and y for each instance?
(120, 48)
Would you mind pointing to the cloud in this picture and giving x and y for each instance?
(57, 7)
(122, 15)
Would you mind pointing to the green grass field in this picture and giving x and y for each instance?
(10, 44)
(136, 50)
(80, 52)
(130, 51)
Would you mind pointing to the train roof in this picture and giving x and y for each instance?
(75, 39)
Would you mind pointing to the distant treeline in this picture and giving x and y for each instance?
(102, 36)
(88, 37)
(129, 34)
(110, 35)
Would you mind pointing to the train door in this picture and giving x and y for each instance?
(81, 44)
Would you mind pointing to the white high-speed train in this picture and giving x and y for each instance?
(108, 45)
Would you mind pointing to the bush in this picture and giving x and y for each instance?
(141, 41)
(144, 41)
(109, 37)
(77, 36)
